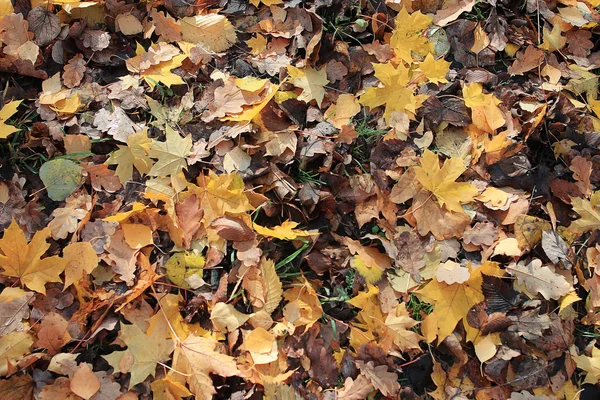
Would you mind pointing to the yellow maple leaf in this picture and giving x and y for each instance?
(268, 3)
(8, 111)
(170, 154)
(434, 70)
(147, 351)
(484, 108)
(441, 181)
(452, 302)
(252, 112)
(257, 44)
(553, 40)
(409, 35)
(311, 82)
(394, 94)
(23, 260)
(285, 231)
(134, 154)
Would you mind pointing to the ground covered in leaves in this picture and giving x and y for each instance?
(321, 199)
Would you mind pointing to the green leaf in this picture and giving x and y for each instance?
(61, 177)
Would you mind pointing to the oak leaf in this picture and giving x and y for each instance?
(589, 212)
(23, 260)
(539, 279)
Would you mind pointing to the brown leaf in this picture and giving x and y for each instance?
(84, 383)
(579, 42)
(44, 24)
(74, 71)
(526, 61)
(18, 387)
(233, 229)
(53, 333)
(384, 381)
(189, 216)
(582, 171)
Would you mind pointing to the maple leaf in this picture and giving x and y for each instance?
(147, 351)
(198, 357)
(135, 154)
(452, 302)
(311, 82)
(441, 181)
(8, 111)
(170, 154)
(257, 44)
(409, 38)
(221, 194)
(394, 94)
(22, 260)
(484, 108)
(434, 70)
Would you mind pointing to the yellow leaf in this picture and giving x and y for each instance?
(268, 3)
(441, 181)
(553, 40)
(434, 70)
(134, 154)
(371, 273)
(273, 287)
(147, 351)
(82, 258)
(67, 106)
(262, 346)
(484, 108)
(311, 82)
(253, 111)
(339, 114)
(22, 260)
(178, 269)
(170, 154)
(591, 365)
(167, 389)
(303, 307)
(528, 230)
(481, 40)
(589, 213)
(120, 217)
(226, 318)
(409, 37)
(284, 231)
(257, 44)
(162, 72)
(568, 299)
(8, 111)
(137, 235)
(213, 31)
(394, 94)
(13, 347)
(196, 358)
(453, 302)
(6, 8)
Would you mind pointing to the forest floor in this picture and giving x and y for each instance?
(320, 199)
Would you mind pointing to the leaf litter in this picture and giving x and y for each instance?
(320, 199)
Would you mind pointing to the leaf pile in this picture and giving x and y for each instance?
(299, 199)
